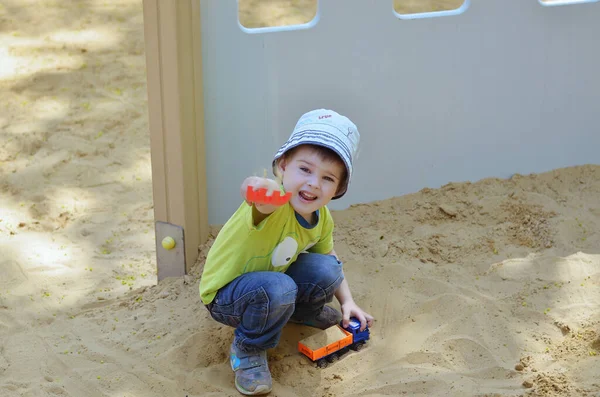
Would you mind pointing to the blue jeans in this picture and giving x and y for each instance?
(259, 304)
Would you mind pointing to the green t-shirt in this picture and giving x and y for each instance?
(272, 245)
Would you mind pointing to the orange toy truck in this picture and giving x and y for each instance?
(328, 345)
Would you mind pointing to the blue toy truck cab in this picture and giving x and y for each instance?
(358, 337)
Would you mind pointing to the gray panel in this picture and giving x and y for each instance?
(509, 86)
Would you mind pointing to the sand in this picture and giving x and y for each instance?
(484, 288)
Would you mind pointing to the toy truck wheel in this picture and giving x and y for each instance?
(322, 363)
(333, 358)
(358, 346)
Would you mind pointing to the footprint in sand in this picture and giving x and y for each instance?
(12, 275)
(202, 349)
(467, 354)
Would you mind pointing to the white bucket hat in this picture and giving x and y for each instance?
(329, 129)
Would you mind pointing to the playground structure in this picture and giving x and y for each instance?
(494, 88)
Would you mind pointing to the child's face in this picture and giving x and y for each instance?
(312, 181)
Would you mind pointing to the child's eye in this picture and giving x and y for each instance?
(304, 169)
(328, 178)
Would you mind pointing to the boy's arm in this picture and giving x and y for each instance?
(349, 307)
(259, 211)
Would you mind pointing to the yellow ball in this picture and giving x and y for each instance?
(168, 243)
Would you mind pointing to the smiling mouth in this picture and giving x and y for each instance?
(307, 196)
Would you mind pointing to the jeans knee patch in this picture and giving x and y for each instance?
(257, 311)
(333, 277)
(282, 293)
(224, 318)
(253, 304)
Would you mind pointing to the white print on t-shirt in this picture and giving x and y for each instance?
(284, 252)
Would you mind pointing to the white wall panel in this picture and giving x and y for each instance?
(508, 86)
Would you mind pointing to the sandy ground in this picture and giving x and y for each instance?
(486, 288)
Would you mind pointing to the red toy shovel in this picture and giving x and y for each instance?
(260, 196)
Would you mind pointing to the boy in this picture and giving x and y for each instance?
(273, 264)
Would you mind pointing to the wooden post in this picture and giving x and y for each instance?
(176, 117)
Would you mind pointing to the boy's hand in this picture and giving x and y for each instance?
(258, 183)
(351, 309)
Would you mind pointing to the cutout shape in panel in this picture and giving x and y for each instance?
(407, 9)
(564, 2)
(273, 15)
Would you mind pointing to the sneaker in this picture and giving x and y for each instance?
(327, 318)
(252, 375)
